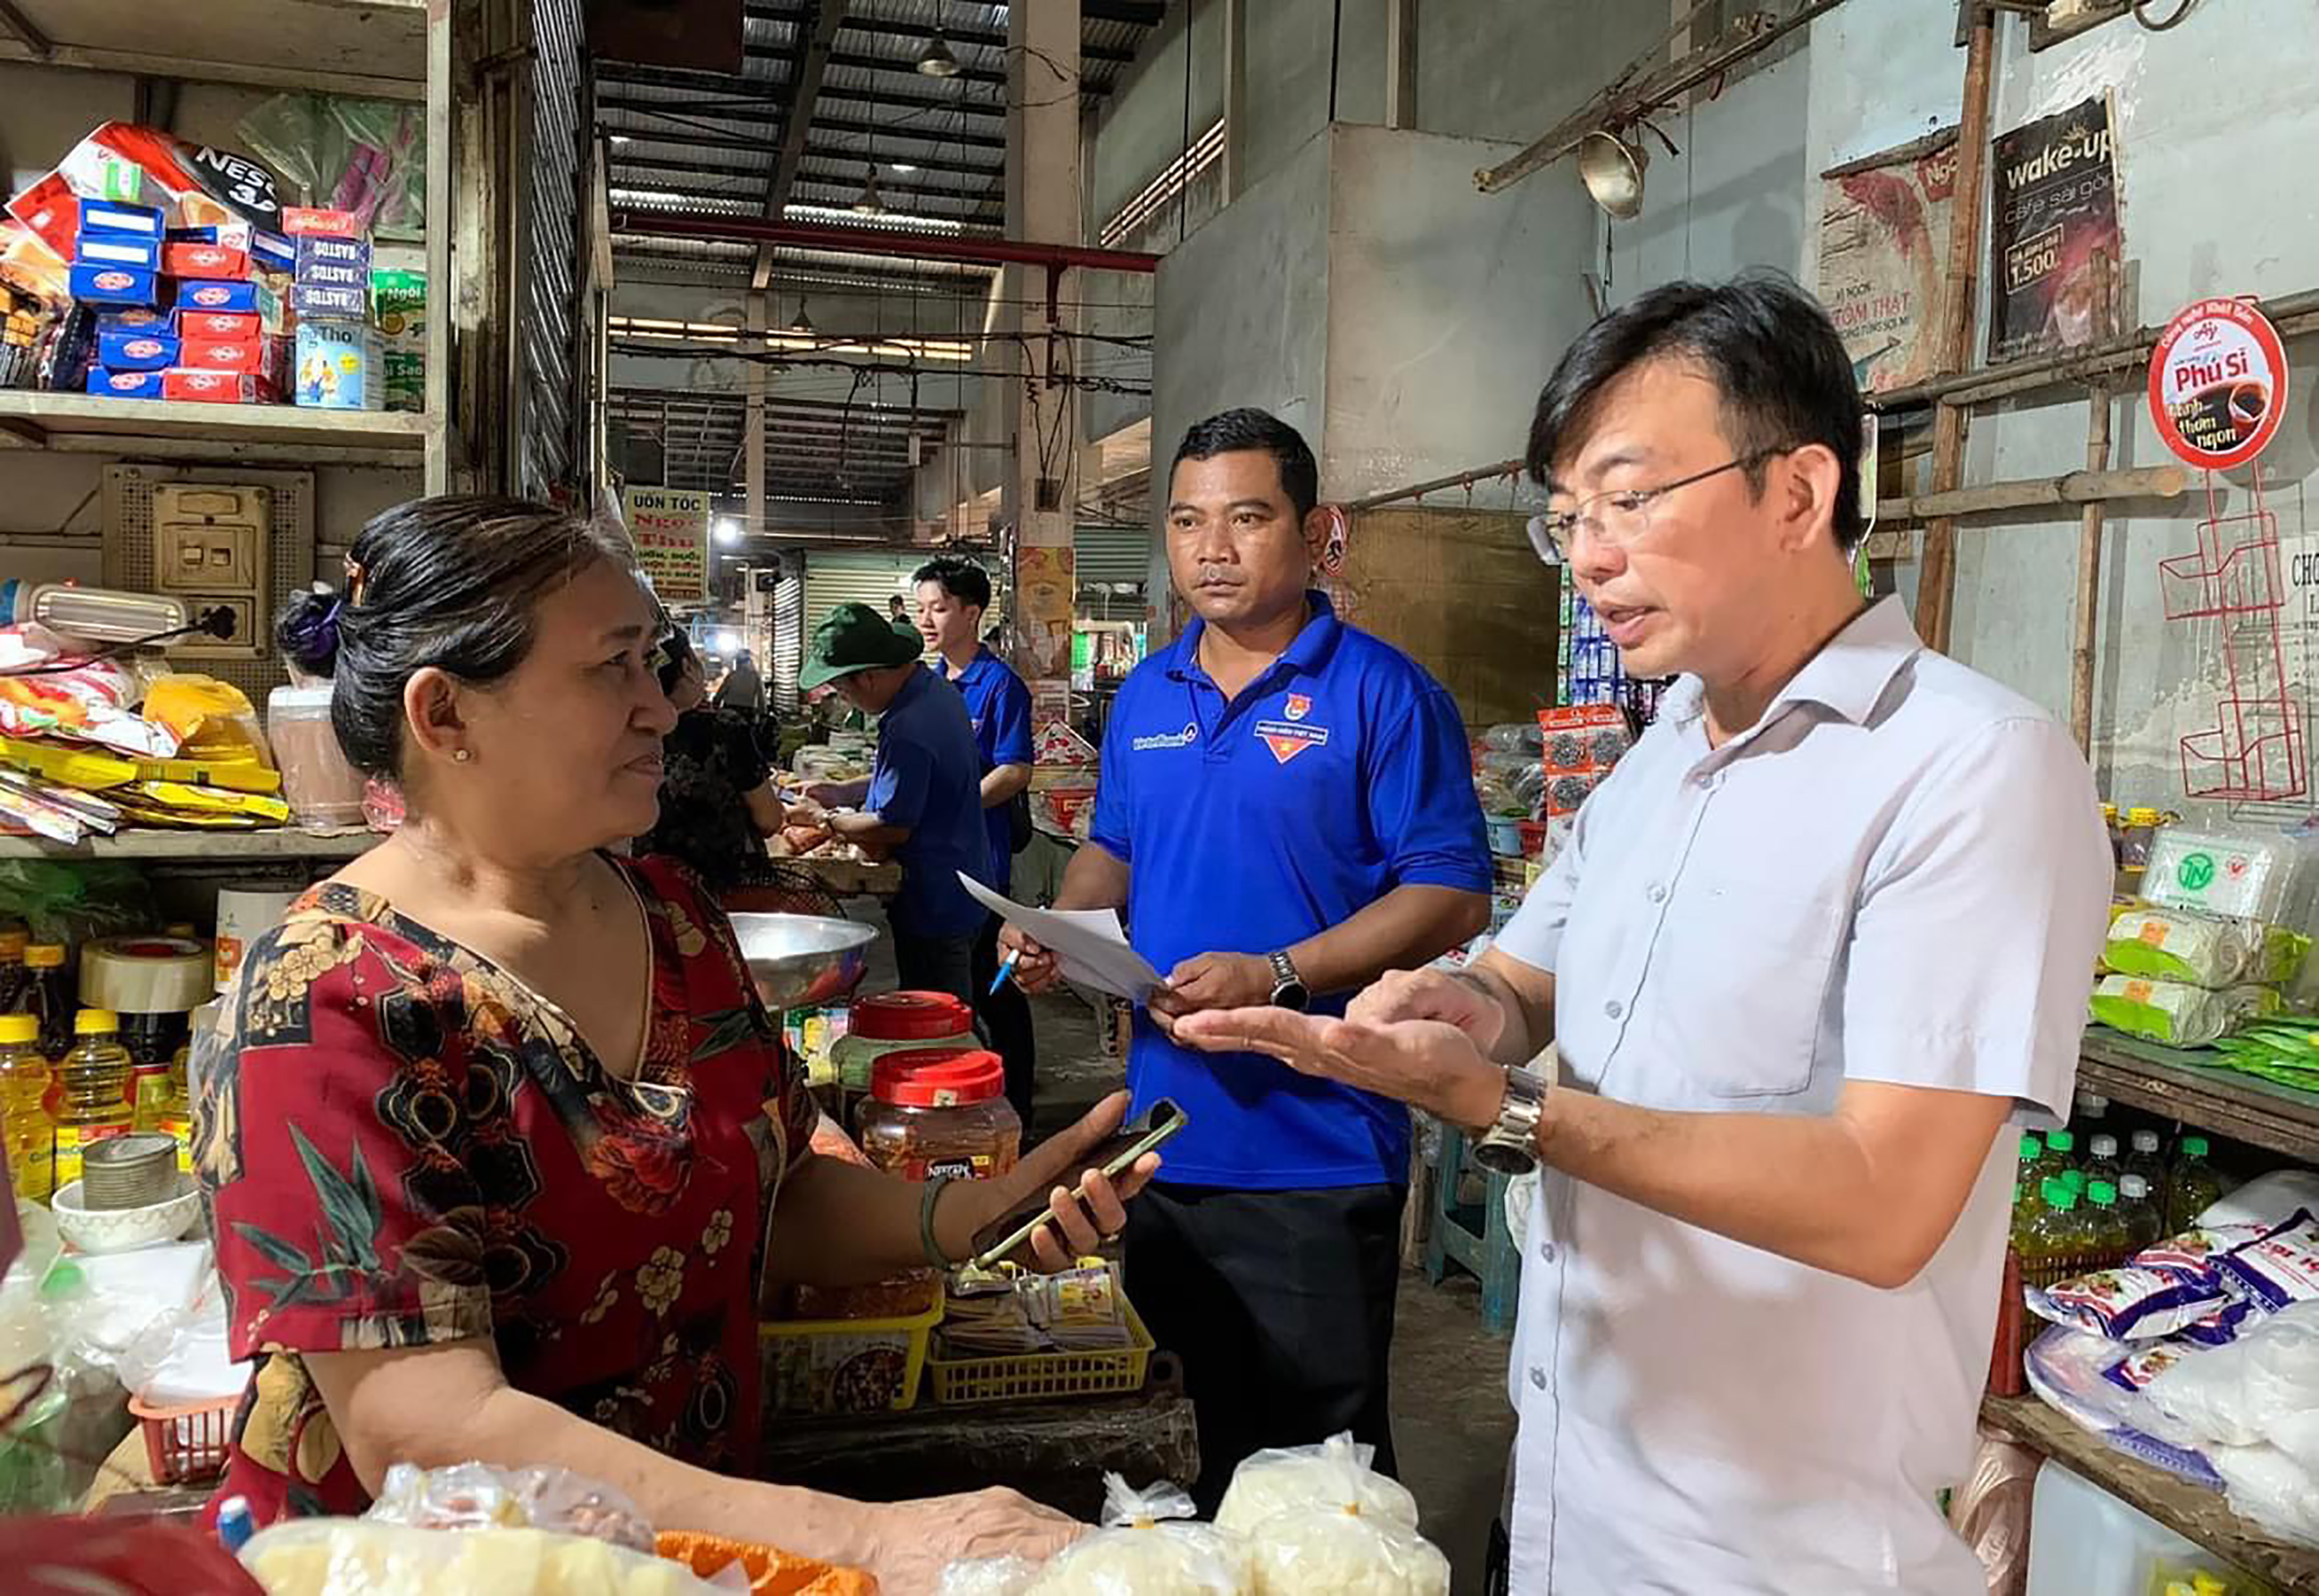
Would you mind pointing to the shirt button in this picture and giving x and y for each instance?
(1614, 1008)
(1538, 1378)
(1545, 1252)
(1658, 893)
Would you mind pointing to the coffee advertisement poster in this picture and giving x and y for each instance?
(2055, 240)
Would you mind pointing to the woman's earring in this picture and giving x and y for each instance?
(463, 754)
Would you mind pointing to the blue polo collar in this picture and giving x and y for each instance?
(1308, 654)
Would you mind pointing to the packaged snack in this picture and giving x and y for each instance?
(118, 249)
(214, 262)
(124, 384)
(2248, 875)
(213, 387)
(319, 250)
(136, 349)
(2138, 1369)
(112, 217)
(190, 184)
(360, 1557)
(97, 284)
(330, 301)
(2129, 1304)
(988, 1576)
(2179, 945)
(243, 297)
(2278, 1268)
(2174, 1013)
(340, 366)
(1147, 1549)
(305, 222)
(1346, 1554)
(1333, 1475)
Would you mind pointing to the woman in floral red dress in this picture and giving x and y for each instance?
(502, 1150)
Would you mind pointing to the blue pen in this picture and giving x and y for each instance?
(1005, 969)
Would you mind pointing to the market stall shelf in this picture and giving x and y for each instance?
(362, 47)
(200, 847)
(2197, 1515)
(2195, 1088)
(85, 423)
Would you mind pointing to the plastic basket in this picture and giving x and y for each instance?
(815, 1367)
(1045, 1377)
(188, 1445)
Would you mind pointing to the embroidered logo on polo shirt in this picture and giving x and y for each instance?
(1183, 739)
(1288, 738)
(1299, 705)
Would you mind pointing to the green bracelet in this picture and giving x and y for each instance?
(930, 1196)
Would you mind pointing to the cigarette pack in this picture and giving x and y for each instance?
(212, 262)
(302, 222)
(341, 366)
(317, 250)
(135, 349)
(115, 286)
(256, 358)
(124, 384)
(329, 302)
(218, 387)
(246, 297)
(113, 216)
(118, 249)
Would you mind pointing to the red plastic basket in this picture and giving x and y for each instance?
(187, 1445)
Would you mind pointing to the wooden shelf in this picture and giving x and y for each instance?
(201, 847)
(2191, 1088)
(2195, 1514)
(86, 423)
(376, 48)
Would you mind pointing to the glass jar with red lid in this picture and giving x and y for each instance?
(895, 1023)
(942, 1112)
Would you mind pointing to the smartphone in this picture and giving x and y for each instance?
(1146, 1133)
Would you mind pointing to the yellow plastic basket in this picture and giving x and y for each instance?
(815, 1367)
(1045, 1377)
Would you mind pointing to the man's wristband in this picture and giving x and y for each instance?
(928, 1197)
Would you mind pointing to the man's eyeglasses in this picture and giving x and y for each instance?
(1620, 515)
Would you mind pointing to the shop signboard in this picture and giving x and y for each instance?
(2055, 239)
(2218, 383)
(670, 528)
(1883, 259)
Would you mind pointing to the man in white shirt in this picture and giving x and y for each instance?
(1810, 952)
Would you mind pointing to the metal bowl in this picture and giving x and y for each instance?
(803, 960)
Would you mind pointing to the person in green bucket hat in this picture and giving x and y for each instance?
(922, 802)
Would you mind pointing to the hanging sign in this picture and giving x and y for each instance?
(670, 528)
(2055, 243)
(1884, 253)
(2218, 383)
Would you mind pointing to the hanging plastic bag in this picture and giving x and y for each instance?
(1147, 1549)
(360, 155)
(475, 1495)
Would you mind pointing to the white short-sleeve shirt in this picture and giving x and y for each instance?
(1900, 874)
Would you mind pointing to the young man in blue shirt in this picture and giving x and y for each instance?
(953, 596)
(1287, 811)
(921, 803)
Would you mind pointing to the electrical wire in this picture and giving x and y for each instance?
(217, 622)
(2142, 15)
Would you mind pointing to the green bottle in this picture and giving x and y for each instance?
(2111, 1237)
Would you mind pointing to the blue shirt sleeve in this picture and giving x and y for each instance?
(1114, 806)
(899, 781)
(1421, 800)
(1010, 723)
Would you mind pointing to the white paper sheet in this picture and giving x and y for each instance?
(1087, 944)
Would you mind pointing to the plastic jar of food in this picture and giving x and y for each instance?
(897, 1023)
(941, 1113)
(324, 791)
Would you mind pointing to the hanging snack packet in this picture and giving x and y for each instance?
(2130, 1305)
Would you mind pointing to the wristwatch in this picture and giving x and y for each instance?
(1510, 1147)
(1288, 990)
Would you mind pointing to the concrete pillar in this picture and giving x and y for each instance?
(1235, 157)
(1043, 205)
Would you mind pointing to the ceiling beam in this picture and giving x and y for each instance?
(735, 106)
(973, 198)
(980, 38)
(826, 23)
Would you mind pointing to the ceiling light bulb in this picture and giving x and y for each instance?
(869, 205)
(900, 168)
(936, 60)
(728, 530)
(802, 324)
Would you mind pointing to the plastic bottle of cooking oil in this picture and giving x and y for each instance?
(2101, 1160)
(2061, 1152)
(2193, 1187)
(2025, 1176)
(93, 1081)
(13, 943)
(161, 1105)
(25, 1124)
(2111, 1237)
(2145, 1160)
(2145, 1221)
(2059, 1233)
(47, 998)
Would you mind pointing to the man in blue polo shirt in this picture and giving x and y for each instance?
(952, 597)
(921, 803)
(1287, 811)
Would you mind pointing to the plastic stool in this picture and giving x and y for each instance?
(1476, 1242)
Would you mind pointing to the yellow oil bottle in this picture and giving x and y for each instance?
(91, 1091)
(25, 1127)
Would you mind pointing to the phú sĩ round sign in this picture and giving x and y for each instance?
(2218, 383)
